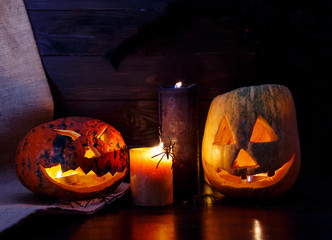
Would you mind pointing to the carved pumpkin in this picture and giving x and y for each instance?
(250, 145)
(72, 158)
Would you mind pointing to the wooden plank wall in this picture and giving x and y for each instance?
(220, 45)
(74, 36)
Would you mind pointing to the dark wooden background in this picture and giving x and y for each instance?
(220, 45)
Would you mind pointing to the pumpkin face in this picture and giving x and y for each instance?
(250, 146)
(72, 158)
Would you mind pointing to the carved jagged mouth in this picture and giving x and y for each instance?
(256, 180)
(76, 178)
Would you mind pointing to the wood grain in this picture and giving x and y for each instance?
(86, 32)
(221, 50)
(136, 120)
(304, 213)
(95, 4)
(139, 77)
(92, 32)
(204, 47)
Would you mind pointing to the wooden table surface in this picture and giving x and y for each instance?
(303, 213)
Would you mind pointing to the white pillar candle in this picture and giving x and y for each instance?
(150, 185)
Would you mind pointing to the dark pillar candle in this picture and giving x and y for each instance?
(178, 122)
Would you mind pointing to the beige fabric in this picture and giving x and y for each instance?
(17, 203)
(25, 102)
(25, 98)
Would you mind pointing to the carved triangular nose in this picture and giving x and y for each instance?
(244, 160)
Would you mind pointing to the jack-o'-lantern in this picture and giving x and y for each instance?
(72, 158)
(251, 146)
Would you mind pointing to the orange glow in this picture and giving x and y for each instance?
(59, 174)
(262, 131)
(258, 232)
(243, 160)
(150, 185)
(255, 181)
(224, 135)
(161, 227)
(76, 177)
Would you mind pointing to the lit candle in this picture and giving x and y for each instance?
(178, 122)
(151, 178)
(66, 179)
(178, 85)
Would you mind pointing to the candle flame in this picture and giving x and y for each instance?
(59, 174)
(178, 85)
(162, 152)
(158, 148)
(249, 178)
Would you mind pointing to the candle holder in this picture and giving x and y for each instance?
(178, 122)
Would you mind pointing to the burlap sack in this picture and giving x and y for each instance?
(26, 101)
(25, 97)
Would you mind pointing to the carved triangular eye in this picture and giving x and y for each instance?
(243, 160)
(224, 135)
(104, 135)
(91, 151)
(69, 133)
(262, 131)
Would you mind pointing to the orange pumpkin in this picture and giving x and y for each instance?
(72, 158)
(251, 146)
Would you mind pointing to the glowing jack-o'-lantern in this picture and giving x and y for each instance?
(251, 146)
(72, 158)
